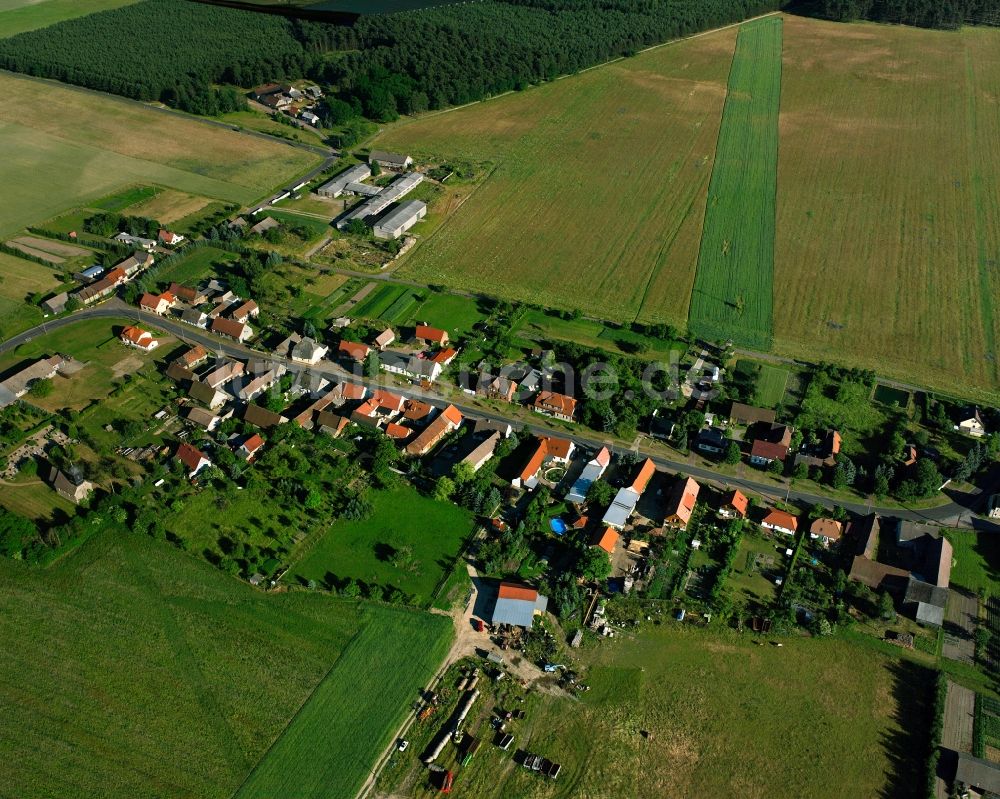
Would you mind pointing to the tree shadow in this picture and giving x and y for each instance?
(907, 746)
(384, 552)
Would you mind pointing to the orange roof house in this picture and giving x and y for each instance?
(827, 529)
(549, 447)
(681, 503)
(607, 540)
(642, 479)
(449, 419)
(734, 505)
(780, 522)
(557, 405)
(431, 335)
(139, 338)
(194, 460)
(354, 350)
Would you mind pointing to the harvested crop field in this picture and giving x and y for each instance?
(598, 196)
(168, 206)
(95, 144)
(55, 252)
(732, 298)
(888, 219)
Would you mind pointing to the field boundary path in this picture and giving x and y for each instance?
(952, 514)
(961, 617)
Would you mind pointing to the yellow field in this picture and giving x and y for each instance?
(63, 147)
(888, 147)
(598, 195)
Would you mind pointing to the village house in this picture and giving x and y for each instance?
(248, 310)
(353, 350)
(264, 225)
(973, 426)
(250, 447)
(207, 395)
(384, 339)
(517, 605)
(223, 373)
(748, 414)
(710, 439)
(417, 410)
(71, 487)
(136, 241)
(680, 503)
(734, 505)
(780, 521)
(331, 423)
(394, 161)
(398, 432)
(449, 419)
(627, 498)
(195, 356)
(187, 294)
(308, 350)
(103, 287)
(261, 383)
(140, 339)
(482, 452)
(547, 449)
(606, 540)
(498, 388)
(193, 459)
(206, 420)
(262, 417)
(157, 303)
(168, 238)
(194, 317)
(310, 117)
(592, 472)
(18, 384)
(505, 429)
(822, 454)
(559, 406)
(57, 304)
(228, 328)
(428, 336)
(826, 531)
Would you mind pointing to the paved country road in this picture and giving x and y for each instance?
(957, 513)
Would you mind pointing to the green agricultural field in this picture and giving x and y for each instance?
(18, 16)
(598, 194)
(330, 746)
(407, 544)
(133, 195)
(675, 711)
(96, 144)
(379, 301)
(140, 671)
(732, 296)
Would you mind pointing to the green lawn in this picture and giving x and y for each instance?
(732, 297)
(317, 227)
(374, 551)
(771, 386)
(451, 312)
(194, 267)
(976, 561)
(121, 200)
(331, 744)
(140, 671)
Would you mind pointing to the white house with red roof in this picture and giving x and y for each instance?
(780, 522)
(193, 459)
(169, 238)
(250, 447)
(140, 339)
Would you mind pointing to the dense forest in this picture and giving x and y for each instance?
(178, 52)
(922, 13)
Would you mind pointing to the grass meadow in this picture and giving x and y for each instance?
(722, 717)
(332, 742)
(888, 217)
(18, 16)
(732, 297)
(94, 144)
(19, 279)
(140, 671)
(408, 544)
(597, 196)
